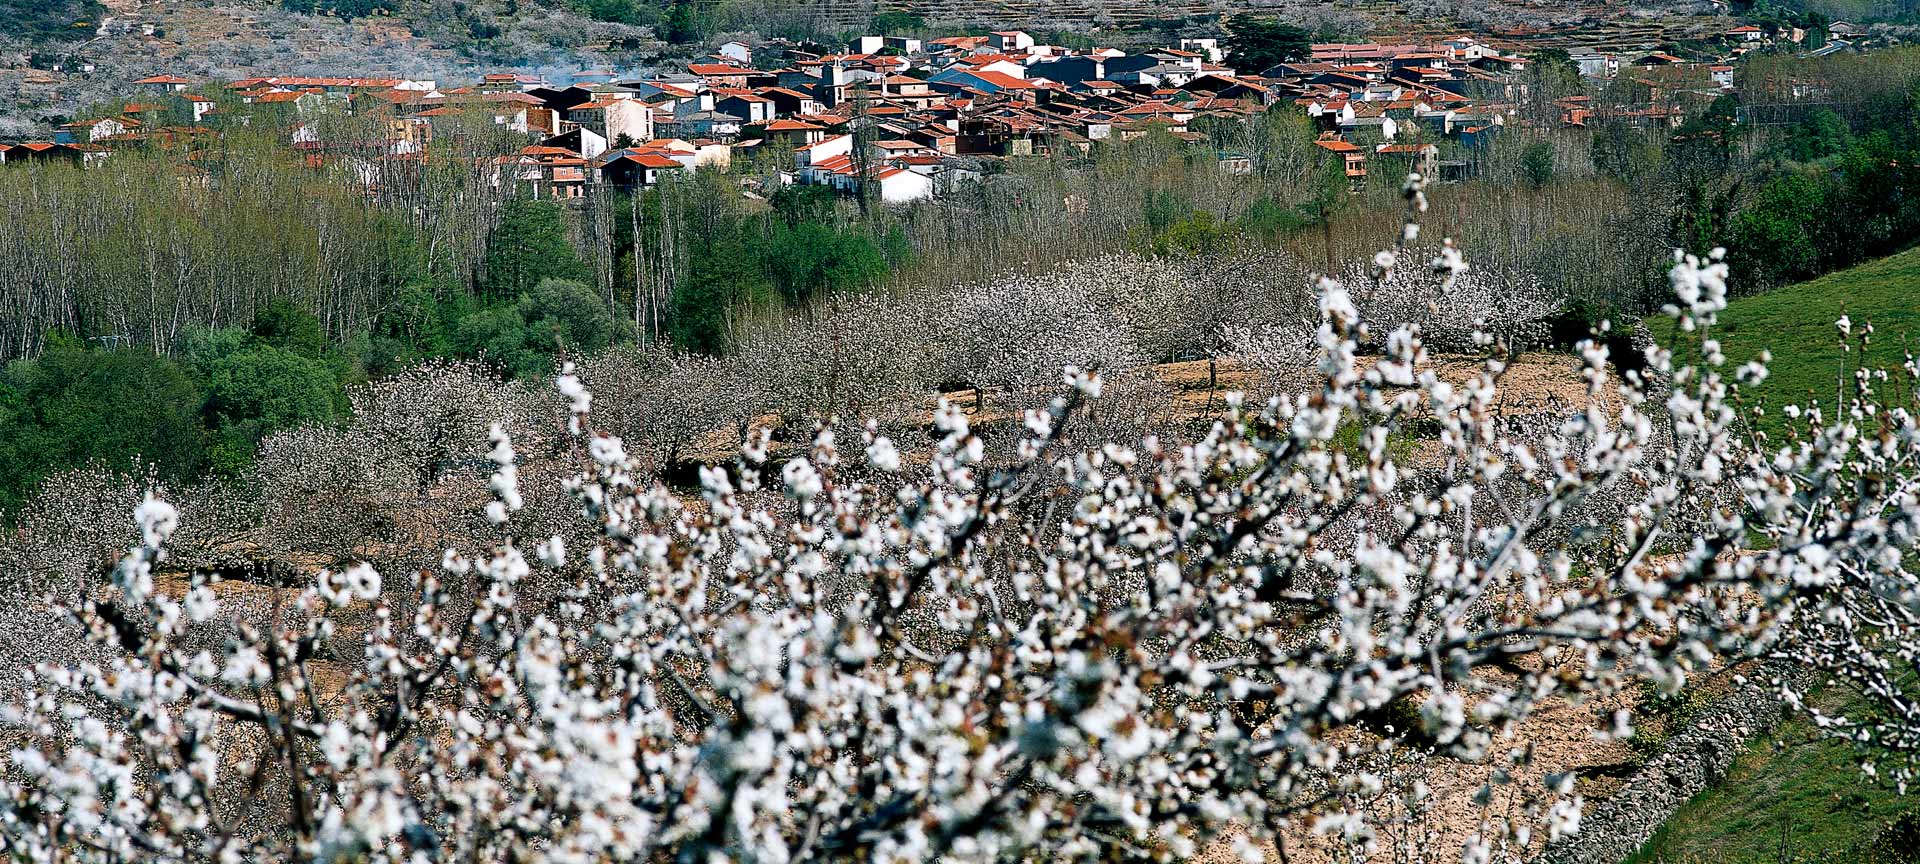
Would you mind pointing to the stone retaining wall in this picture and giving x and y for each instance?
(1693, 760)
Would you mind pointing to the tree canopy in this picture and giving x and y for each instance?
(523, 338)
(530, 246)
(811, 259)
(1256, 44)
(75, 404)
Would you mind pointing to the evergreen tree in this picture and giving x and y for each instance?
(809, 260)
(75, 404)
(530, 246)
(1536, 163)
(1255, 44)
(523, 338)
(261, 389)
(719, 279)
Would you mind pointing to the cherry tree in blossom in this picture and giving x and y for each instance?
(900, 651)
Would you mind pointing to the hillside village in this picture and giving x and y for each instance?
(904, 118)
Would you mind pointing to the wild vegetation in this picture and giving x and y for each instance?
(49, 20)
(1810, 364)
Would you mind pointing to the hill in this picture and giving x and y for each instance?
(1796, 324)
(58, 57)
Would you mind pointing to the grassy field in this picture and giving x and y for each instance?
(1796, 324)
(1789, 798)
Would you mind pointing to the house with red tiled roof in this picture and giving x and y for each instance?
(722, 74)
(814, 152)
(634, 169)
(86, 155)
(1230, 87)
(1009, 40)
(164, 83)
(614, 119)
(1658, 58)
(750, 107)
(788, 101)
(896, 147)
(967, 44)
(197, 107)
(792, 133)
(1355, 158)
(891, 183)
(1409, 158)
(88, 131)
(904, 85)
(297, 102)
(1012, 64)
(544, 172)
(986, 81)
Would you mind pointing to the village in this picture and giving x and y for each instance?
(903, 119)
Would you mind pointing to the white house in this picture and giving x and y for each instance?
(822, 150)
(1594, 64)
(88, 131)
(1208, 48)
(1009, 41)
(164, 83)
(198, 106)
(1468, 49)
(614, 118)
(898, 185)
(719, 154)
(1004, 67)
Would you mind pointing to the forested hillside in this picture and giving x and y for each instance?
(49, 20)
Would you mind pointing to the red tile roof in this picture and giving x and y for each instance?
(652, 160)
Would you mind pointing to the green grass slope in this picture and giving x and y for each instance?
(1789, 798)
(1796, 323)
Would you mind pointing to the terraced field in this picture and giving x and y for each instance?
(1522, 24)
